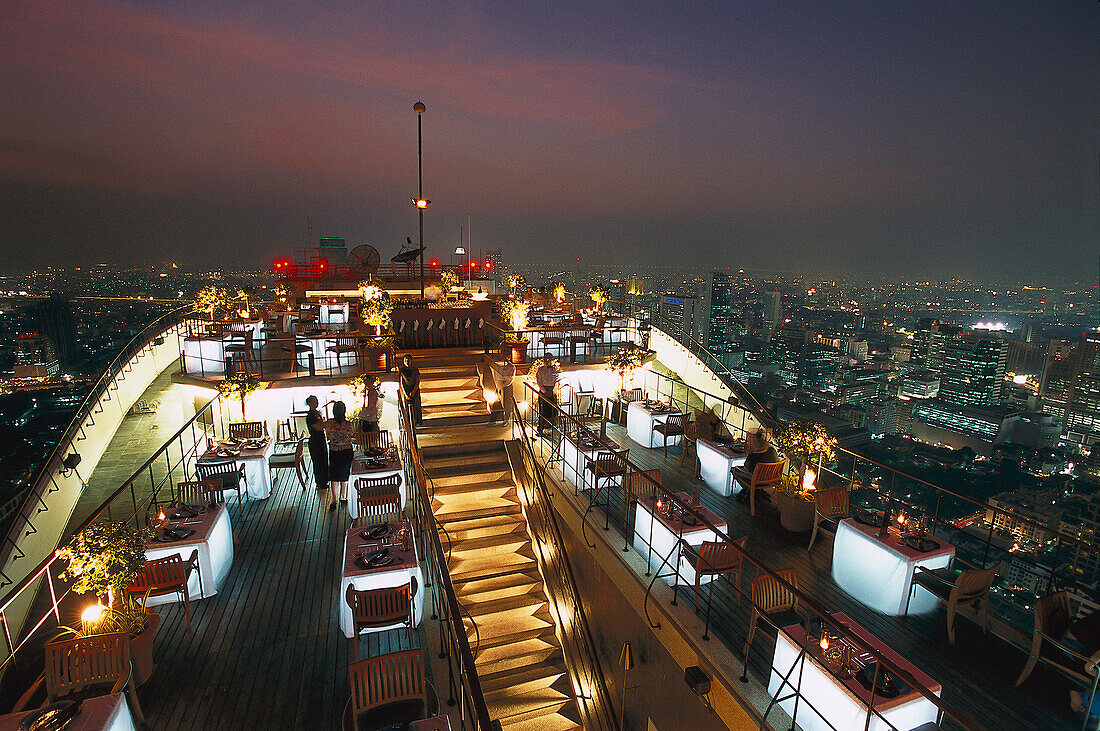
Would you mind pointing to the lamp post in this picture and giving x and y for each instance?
(420, 201)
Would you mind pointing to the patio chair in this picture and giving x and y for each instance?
(673, 426)
(637, 486)
(291, 460)
(765, 476)
(168, 575)
(199, 492)
(373, 509)
(380, 439)
(578, 340)
(375, 609)
(626, 398)
(552, 338)
(595, 335)
(285, 432)
(248, 430)
(241, 350)
(957, 587)
(715, 558)
(689, 441)
(76, 667)
(1052, 620)
(227, 475)
(773, 600)
(379, 683)
(830, 503)
(605, 466)
(340, 347)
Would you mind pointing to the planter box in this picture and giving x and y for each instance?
(795, 514)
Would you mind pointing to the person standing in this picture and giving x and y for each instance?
(370, 413)
(546, 376)
(341, 438)
(410, 387)
(318, 451)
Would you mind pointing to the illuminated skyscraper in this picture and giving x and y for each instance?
(973, 370)
(718, 314)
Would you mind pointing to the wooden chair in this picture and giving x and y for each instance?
(552, 339)
(285, 432)
(774, 600)
(595, 335)
(341, 346)
(241, 350)
(673, 426)
(578, 340)
(167, 575)
(690, 442)
(248, 430)
(765, 476)
(74, 667)
(294, 348)
(715, 558)
(374, 509)
(291, 460)
(1052, 620)
(829, 504)
(396, 677)
(199, 493)
(584, 406)
(626, 398)
(229, 475)
(375, 609)
(637, 486)
(605, 466)
(957, 587)
(377, 439)
(388, 485)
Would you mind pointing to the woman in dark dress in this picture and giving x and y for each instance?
(341, 437)
(410, 387)
(318, 450)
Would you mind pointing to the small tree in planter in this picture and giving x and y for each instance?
(376, 311)
(238, 387)
(598, 295)
(246, 296)
(514, 313)
(516, 282)
(806, 443)
(557, 291)
(213, 299)
(626, 361)
(448, 279)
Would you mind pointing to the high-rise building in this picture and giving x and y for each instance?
(54, 319)
(1032, 332)
(817, 367)
(1081, 424)
(973, 370)
(684, 311)
(773, 309)
(718, 314)
(35, 357)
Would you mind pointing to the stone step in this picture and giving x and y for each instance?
(458, 449)
(488, 481)
(466, 464)
(532, 601)
(445, 419)
(546, 672)
(479, 527)
(498, 624)
(490, 543)
(448, 518)
(543, 632)
(451, 397)
(555, 717)
(480, 591)
(492, 565)
(534, 695)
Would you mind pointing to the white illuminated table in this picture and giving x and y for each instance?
(319, 345)
(333, 314)
(557, 350)
(242, 325)
(716, 463)
(640, 420)
(204, 355)
(101, 713)
(576, 450)
(657, 539)
(360, 469)
(213, 537)
(828, 703)
(396, 574)
(257, 474)
(879, 571)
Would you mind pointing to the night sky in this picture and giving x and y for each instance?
(934, 139)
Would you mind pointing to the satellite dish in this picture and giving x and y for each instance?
(363, 259)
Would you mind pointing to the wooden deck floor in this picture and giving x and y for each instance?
(977, 674)
(266, 651)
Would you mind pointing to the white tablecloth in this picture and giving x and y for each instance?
(573, 464)
(215, 557)
(334, 314)
(321, 357)
(879, 572)
(655, 541)
(843, 711)
(357, 472)
(398, 575)
(639, 426)
(716, 466)
(256, 327)
(257, 475)
(204, 355)
(101, 713)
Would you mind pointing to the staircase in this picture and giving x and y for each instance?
(492, 566)
(449, 390)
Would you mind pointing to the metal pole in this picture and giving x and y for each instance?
(419, 109)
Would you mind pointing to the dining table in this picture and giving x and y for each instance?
(318, 342)
(830, 703)
(204, 527)
(642, 416)
(661, 530)
(333, 313)
(577, 449)
(717, 461)
(878, 570)
(396, 568)
(253, 454)
(375, 468)
(109, 712)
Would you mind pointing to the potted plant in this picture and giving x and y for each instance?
(448, 280)
(239, 386)
(102, 560)
(376, 311)
(514, 313)
(246, 296)
(598, 295)
(557, 291)
(625, 362)
(212, 299)
(805, 443)
(516, 282)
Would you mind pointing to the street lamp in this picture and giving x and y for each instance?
(420, 201)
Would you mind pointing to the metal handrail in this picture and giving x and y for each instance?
(958, 716)
(561, 560)
(69, 435)
(434, 549)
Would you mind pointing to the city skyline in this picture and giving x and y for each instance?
(930, 140)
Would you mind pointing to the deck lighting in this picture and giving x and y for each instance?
(421, 203)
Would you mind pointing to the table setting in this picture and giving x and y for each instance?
(181, 529)
(109, 712)
(375, 557)
(253, 454)
(662, 526)
(642, 416)
(717, 460)
(375, 464)
(575, 450)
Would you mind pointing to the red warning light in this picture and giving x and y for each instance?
(488, 266)
(434, 263)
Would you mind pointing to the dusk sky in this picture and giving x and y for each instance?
(926, 138)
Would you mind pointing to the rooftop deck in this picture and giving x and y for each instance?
(978, 673)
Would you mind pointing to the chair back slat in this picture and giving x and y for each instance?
(199, 492)
(77, 664)
(771, 596)
(228, 473)
(832, 501)
(247, 430)
(377, 439)
(379, 607)
(768, 472)
(976, 583)
(720, 557)
(379, 508)
(387, 486)
(637, 486)
(396, 676)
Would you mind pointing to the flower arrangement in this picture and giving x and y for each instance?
(238, 386)
(514, 313)
(805, 442)
(447, 279)
(598, 295)
(557, 291)
(377, 310)
(212, 299)
(103, 559)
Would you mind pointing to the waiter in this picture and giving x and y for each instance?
(318, 450)
(546, 376)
